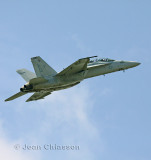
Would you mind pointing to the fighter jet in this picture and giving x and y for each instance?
(45, 80)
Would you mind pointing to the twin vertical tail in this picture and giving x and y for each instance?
(26, 75)
(41, 68)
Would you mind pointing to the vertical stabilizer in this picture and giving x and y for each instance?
(41, 68)
(27, 75)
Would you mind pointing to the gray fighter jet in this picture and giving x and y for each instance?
(46, 80)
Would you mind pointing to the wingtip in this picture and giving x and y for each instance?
(8, 99)
(89, 57)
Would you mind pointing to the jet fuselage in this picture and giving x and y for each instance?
(93, 69)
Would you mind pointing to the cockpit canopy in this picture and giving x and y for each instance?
(102, 60)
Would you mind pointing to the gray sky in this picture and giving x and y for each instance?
(108, 117)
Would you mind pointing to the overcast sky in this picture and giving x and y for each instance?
(108, 117)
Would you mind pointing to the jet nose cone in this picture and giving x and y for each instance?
(136, 63)
(131, 64)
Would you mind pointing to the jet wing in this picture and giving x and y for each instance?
(79, 65)
(16, 96)
(38, 95)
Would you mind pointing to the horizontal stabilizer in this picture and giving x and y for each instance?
(27, 75)
(41, 68)
(19, 94)
(37, 96)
